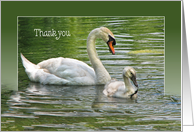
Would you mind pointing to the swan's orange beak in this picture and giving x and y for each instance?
(111, 47)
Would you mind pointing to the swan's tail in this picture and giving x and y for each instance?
(27, 64)
(37, 74)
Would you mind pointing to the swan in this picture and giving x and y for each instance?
(67, 71)
(122, 89)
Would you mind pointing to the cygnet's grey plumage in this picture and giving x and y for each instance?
(123, 89)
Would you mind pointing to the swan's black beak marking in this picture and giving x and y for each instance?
(111, 42)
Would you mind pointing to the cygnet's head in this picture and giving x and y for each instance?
(129, 72)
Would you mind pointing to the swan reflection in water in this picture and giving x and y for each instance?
(77, 96)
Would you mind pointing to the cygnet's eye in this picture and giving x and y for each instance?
(132, 74)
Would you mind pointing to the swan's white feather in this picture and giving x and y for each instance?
(77, 72)
(60, 71)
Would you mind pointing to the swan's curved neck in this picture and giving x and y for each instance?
(128, 85)
(102, 76)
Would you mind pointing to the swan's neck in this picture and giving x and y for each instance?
(102, 76)
(128, 85)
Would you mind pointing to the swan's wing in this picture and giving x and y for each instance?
(113, 87)
(70, 69)
(39, 75)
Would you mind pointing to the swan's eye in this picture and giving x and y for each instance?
(111, 39)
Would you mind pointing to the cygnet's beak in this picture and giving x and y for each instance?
(134, 81)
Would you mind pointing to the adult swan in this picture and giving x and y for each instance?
(67, 71)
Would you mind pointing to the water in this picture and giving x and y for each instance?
(140, 43)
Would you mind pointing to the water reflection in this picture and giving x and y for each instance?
(40, 102)
(60, 91)
(67, 94)
(63, 101)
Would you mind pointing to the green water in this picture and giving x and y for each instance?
(140, 43)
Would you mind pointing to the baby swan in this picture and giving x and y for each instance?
(122, 89)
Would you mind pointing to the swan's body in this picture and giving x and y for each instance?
(67, 71)
(123, 89)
